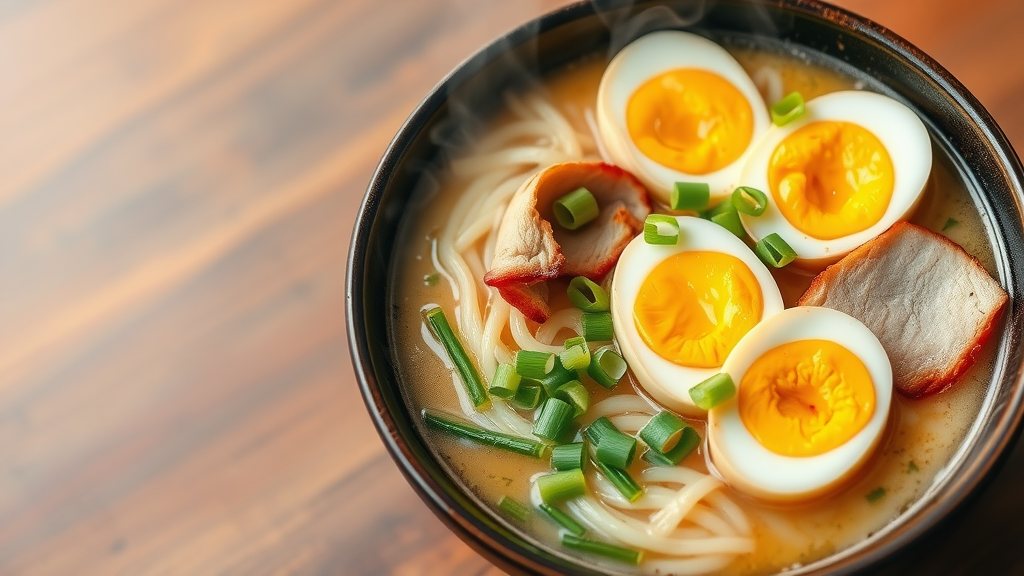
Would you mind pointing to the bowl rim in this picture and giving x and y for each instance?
(997, 443)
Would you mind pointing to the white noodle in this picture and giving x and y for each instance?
(769, 82)
(567, 319)
(524, 339)
(630, 423)
(666, 520)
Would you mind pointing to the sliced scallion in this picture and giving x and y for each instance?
(690, 196)
(576, 395)
(569, 456)
(726, 216)
(616, 450)
(749, 201)
(533, 364)
(574, 341)
(505, 383)
(599, 429)
(606, 367)
(622, 481)
(587, 295)
(481, 436)
(553, 420)
(575, 209)
(559, 375)
(661, 229)
(950, 222)
(774, 251)
(713, 391)
(597, 326)
(575, 357)
(609, 551)
(442, 330)
(663, 431)
(689, 440)
(528, 396)
(561, 486)
(563, 519)
(788, 109)
(514, 508)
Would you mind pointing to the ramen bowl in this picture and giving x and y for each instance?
(823, 34)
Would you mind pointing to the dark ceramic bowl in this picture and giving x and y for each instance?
(884, 61)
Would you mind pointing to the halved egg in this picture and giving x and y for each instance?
(813, 391)
(676, 107)
(678, 310)
(845, 171)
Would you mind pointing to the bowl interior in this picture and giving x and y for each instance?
(819, 33)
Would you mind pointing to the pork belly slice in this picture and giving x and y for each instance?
(930, 303)
(532, 247)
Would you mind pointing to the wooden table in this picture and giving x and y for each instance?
(178, 181)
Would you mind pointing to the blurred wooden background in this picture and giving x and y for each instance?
(178, 181)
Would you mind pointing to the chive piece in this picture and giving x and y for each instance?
(569, 456)
(609, 551)
(875, 495)
(663, 431)
(508, 442)
(574, 341)
(576, 395)
(726, 216)
(505, 383)
(599, 429)
(606, 367)
(561, 486)
(575, 209)
(576, 357)
(514, 508)
(442, 330)
(774, 251)
(559, 375)
(563, 519)
(622, 481)
(661, 229)
(949, 224)
(713, 391)
(690, 196)
(616, 450)
(597, 326)
(431, 279)
(587, 295)
(788, 109)
(528, 397)
(689, 440)
(911, 468)
(532, 364)
(749, 201)
(553, 420)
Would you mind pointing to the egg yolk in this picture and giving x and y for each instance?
(831, 179)
(805, 398)
(690, 120)
(695, 306)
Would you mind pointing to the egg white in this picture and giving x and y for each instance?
(667, 382)
(897, 127)
(649, 56)
(747, 465)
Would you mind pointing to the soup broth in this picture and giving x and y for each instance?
(922, 434)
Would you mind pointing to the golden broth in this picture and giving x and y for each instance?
(922, 436)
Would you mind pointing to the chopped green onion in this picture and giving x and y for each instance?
(576, 357)
(562, 519)
(606, 367)
(616, 450)
(726, 216)
(528, 397)
(514, 508)
(609, 551)
(713, 391)
(533, 365)
(431, 279)
(689, 440)
(749, 201)
(600, 428)
(661, 229)
(911, 468)
(497, 439)
(505, 383)
(622, 481)
(788, 109)
(587, 295)
(690, 196)
(442, 330)
(575, 208)
(574, 341)
(569, 456)
(559, 375)
(875, 495)
(949, 224)
(663, 431)
(561, 486)
(576, 395)
(553, 420)
(597, 326)
(774, 251)
(655, 458)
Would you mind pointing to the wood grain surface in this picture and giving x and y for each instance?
(178, 183)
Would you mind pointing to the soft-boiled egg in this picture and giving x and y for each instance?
(849, 168)
(678, 310)
(813, 391)
(676, 107)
